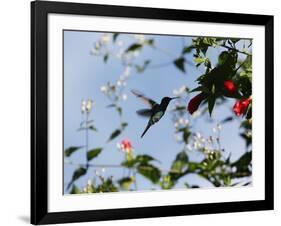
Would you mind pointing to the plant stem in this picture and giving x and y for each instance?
(87, 139)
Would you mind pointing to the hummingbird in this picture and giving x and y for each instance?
(155, 112)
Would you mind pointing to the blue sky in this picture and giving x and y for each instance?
(85, 73)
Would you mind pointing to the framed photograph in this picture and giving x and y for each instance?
(145, 112)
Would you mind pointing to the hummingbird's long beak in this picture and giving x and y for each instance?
(175, 98)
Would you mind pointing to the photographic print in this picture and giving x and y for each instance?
(146, 112)
(143, 112)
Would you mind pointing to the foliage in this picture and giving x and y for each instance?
(230, 77)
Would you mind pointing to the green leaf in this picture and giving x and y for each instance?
(234, 40)
(192, 166)
(75, 190)
(115, 134)
(149, 42)
(119, 110)
(105, 58)
(70, 150)
(141, 69)
(114, 37)
(93, 153)
(133, 47)
(179, 63)
(132, 161)
(106, 186)
(150, 172)
(243, 162)
(124, 125)
(211, 104)
(126, 182)
(228, 119)
(213, 89)
(180, 162)
(198, 61)
(223, 57)
(187, 49)
(111, 105)
(144, 159)
(76, 175)
(93, 128)
(186, 135)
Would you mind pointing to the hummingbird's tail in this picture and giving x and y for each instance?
(147, 127)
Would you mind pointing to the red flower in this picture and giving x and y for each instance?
(241, 106)
(194, 103)
(229, 86)
(126, 145)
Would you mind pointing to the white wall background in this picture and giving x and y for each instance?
(15, 113)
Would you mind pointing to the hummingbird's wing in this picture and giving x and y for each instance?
(145, 112)
(147, 100)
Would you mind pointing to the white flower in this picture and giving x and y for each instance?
(182, 89)
(83, 106)
(89, 105)
(89, 182)
(97, 45)
(196, 114)
(197, 145)
(179, 91)
(198, 135)
(119, 146)
(140, 38)
(103, 89)
(189, 147)
(218, 170)
(127, 71)
(177, 137)
(183, 121)
(94, 51)
(105, 39)
(119, 83)
(136, 53)
(97, 173)
(124, 97)
(210, 140)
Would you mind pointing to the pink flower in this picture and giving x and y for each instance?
(240, 107)
(194, 103)
(229, 86)
(126, 145)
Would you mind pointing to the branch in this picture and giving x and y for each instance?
(113, 166)
(227, 47)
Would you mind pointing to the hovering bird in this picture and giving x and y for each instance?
(155, 112)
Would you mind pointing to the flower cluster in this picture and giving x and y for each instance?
(125, 146)
(100, 46)
(86, 106)
(139, 38)
(181, 122)
(115, 91)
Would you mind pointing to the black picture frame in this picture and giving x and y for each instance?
(39, 112)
